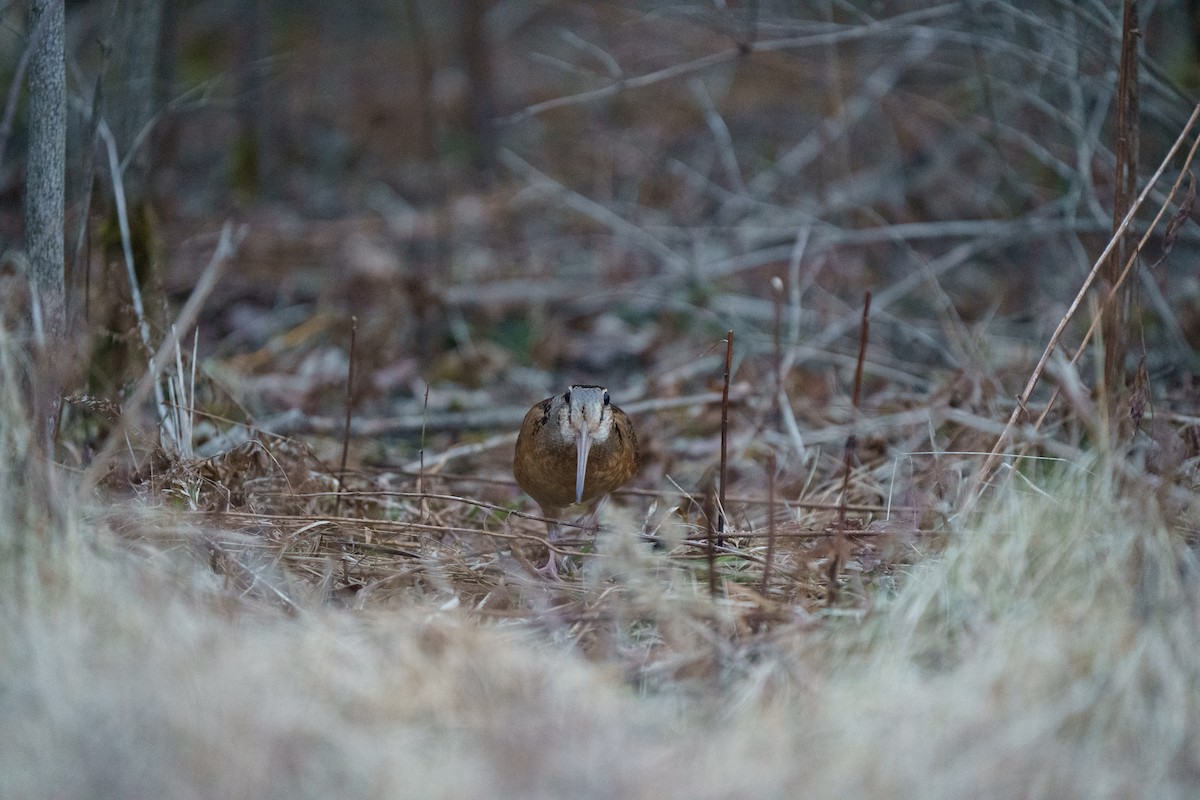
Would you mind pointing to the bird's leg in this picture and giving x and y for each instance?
(550, 570)
(588, 523)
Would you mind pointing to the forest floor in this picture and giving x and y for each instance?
(313, 574)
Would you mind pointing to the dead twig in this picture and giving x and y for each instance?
(770, 556)
(839, 542)
(337, 503)
(724, 436)
(297, 422)
(989, 464)
(226, 248)
(901, 25)
(710, 542)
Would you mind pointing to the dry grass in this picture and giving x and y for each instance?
(256, 621)
(1047, 650)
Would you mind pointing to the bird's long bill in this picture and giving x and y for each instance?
(583, 443)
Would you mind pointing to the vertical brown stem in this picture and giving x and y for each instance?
(481, 100)
(337, 505)
(777, 285)
(839, 542)
(1113, 324)
(710, 549)
(770, 556)
(421, 474)
(724, 438)
(852, 439)
(423, 55)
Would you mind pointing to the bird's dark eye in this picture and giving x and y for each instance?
(606, 398)
(567, 397)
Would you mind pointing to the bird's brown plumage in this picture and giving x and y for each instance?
(546, 458)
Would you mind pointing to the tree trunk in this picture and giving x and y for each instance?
(255, 171)
(132, 99)
(45, 174)
(478, 58)
(139, 28)
(44, 201)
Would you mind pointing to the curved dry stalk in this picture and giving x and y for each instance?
(989, 463)
(226, 248)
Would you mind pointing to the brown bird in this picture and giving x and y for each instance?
(574, 448)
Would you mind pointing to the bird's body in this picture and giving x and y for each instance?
(573, 449)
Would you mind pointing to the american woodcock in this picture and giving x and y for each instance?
(574, 448)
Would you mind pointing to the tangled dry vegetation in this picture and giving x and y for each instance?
(261, 595)
(1047, 649)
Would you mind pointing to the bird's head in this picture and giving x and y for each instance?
(585, 417)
